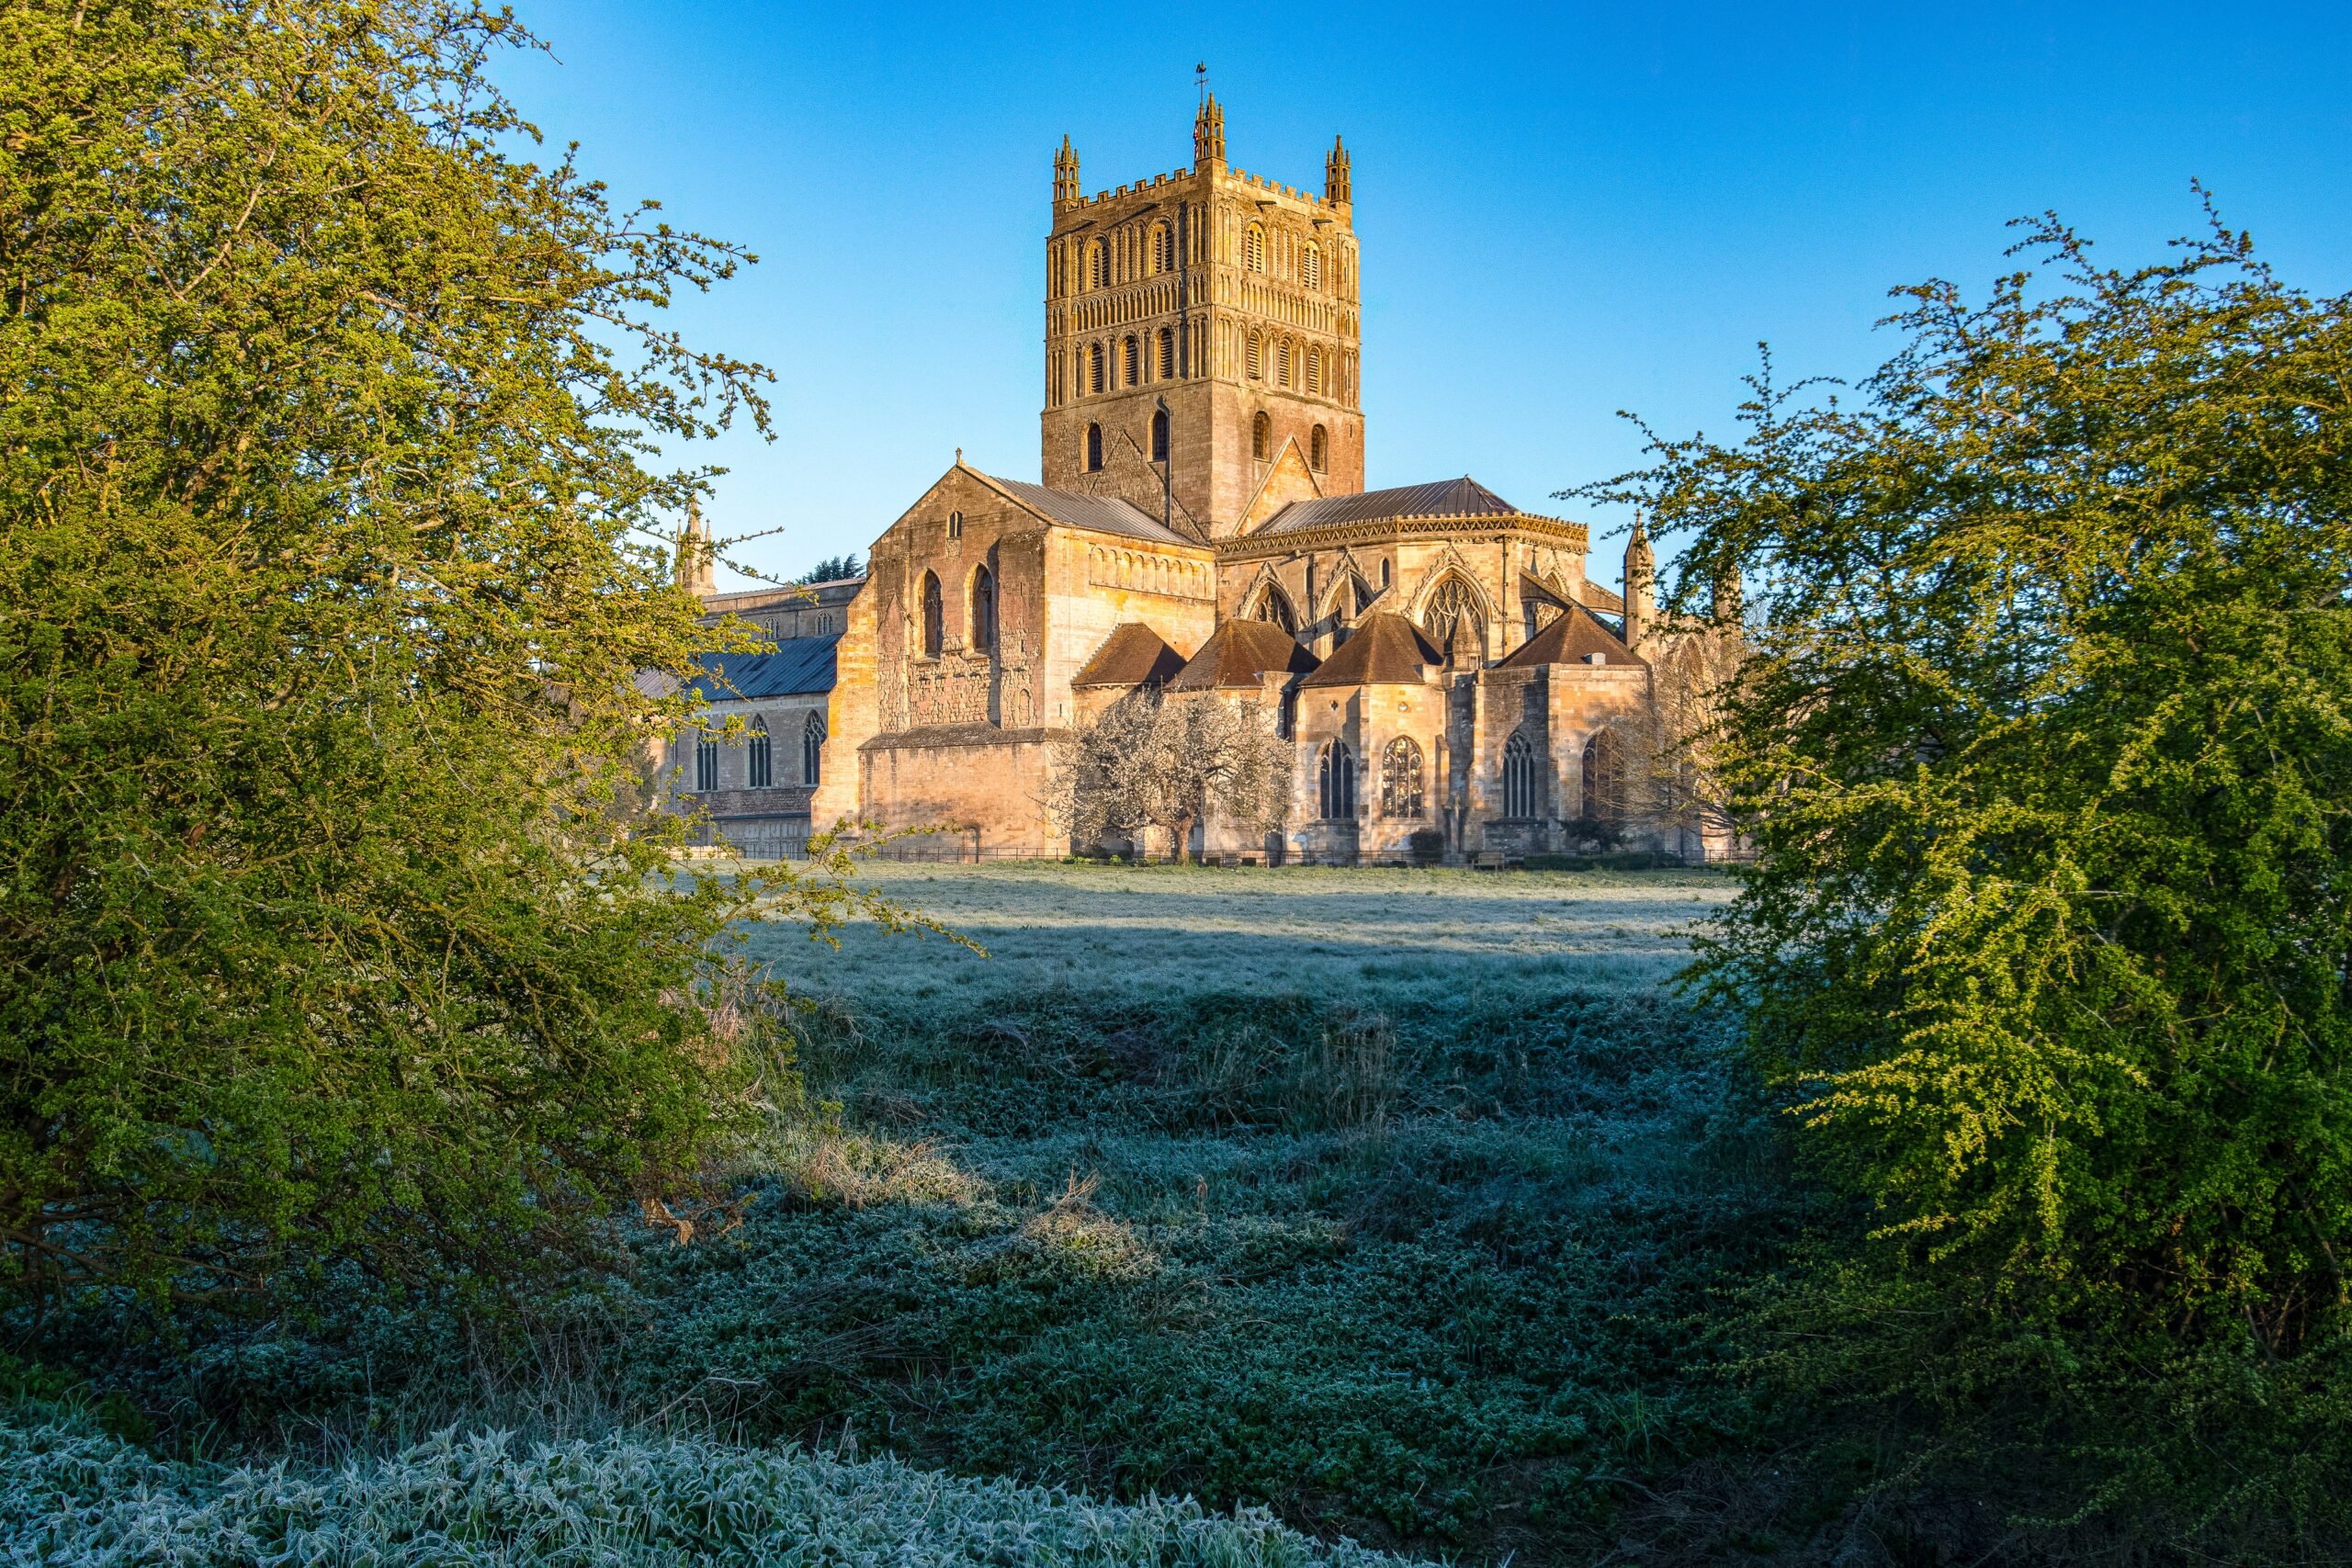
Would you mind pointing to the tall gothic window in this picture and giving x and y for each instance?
(1604, 778)
(1310, 267)
(1167, 353)
(1099, 270)
(706, 764)
(1094, 368)
(983, 610)
(1452, 604)
(1261, 436)
(1163, 249)
(1319, 449)
(1256, 364)
(762, 755)
(1130, 363)
(954, 524)
(1315, 370)
(1281, 363)
(1093, 448)
(1253, 248)
(1335, 783)
(934, 628)
(1400, 779)
(1523, 781)
(1159, 435)
(812, 749)
(1273, 608)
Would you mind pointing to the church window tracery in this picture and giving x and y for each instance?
(812, 749)
(1400, 779)
(1093, 448)
(760, 755)
(1335, 783)
(983, 610)
(706, 764)
(1522, 780)
(1273, 607)
(1261, 436)
(934, 627)
(1454, 604)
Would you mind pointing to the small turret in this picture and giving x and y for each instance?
(1065, 174)
(1335, 175)
(1208, 133)
(1641, 586)
(697, 573)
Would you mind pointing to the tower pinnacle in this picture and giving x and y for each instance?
(1335, 175)
(1065, 174)
(1641, 586)
(697, 573)
(1208, 133)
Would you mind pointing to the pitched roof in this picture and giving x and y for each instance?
(1465, 497)
(1385, 649)
(1596, 597)
(1572, 636)
(1238, 653)
(799, 665)
(1103, 513)
(1133, 655)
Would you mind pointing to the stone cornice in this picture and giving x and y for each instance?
(1372, 530)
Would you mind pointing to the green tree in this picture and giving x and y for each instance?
(328, 569)
(2044, 739)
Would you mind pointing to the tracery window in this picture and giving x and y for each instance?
(1452, 602)
(1310, 267)
(706, 764)
(1319, 449)
(812, 749)
(1335, 783)
(1604, 778)
(934, 622)
(1167, 353)
(761, 755)
(1253, 248)
(1261, 436)
(983, 610)
(1275, 608)
(1159, 435)
(1093, 448)
(1400, 779)
(1522, 780)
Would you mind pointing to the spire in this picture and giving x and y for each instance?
(1065, 174)
(1208, 133)
(1335, 175)
(696, 575)
(1641, 585)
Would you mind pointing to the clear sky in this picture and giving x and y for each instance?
(1563, 212)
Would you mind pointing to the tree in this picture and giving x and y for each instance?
(2045, 739)
(835, 569)
(330, 557)
(1153, 760)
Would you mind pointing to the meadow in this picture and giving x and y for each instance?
(1384, 1206)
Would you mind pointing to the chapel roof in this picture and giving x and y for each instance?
(1385, 649)
(1239, 653)
(797, 666)
(1572, 637)
(1465, 497)
(1103, 513)
(1133, 655)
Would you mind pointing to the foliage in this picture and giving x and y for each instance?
(329, 564)
(1153, 760)
(2045, 742)
(71, 1494)
(836, 569)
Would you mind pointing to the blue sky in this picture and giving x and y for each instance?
(1563, 212)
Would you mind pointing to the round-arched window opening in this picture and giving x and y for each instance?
(1261, 436)
(1319, 449)
(1093, 448)
(1159, 435)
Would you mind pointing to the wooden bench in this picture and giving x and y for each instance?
(1486, 859)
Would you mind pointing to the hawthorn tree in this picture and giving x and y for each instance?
(1156, 761)
(328, 562)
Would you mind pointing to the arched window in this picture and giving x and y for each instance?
(954, 524)
(812, 749)
(1310, 267)
(1604, 778)
(1253, 248)
(1400, 779)
(1261, 436)
(1255, 364)
(1384, 574)
(1522, 780)
(983, 610)
(1130, 363)
(760, 755)
(1273, 607)
(1163, 248)
(1094, 368)
(1281, 362)
(706, 764)
(1099, 268)
(934, 627)
(1335, 783)
(1319, 449)
(1093, 448)
(1159, 435)
(1314, 370)
(1454, 604)
(1167, 353)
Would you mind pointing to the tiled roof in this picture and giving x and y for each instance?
(1568, 640)
(1465, 497)
(1104, 514)
(1238, 653)
(1133, 655)
(799, 665)
(1385, 649)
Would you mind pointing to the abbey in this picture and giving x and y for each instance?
(1437, 657)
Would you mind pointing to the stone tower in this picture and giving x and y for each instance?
(1199, 325)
